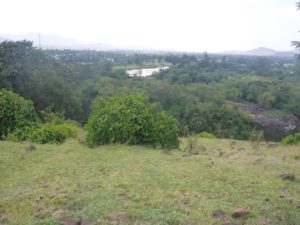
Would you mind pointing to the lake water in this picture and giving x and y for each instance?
(145, 72)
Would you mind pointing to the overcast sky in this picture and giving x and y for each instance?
(189, 25)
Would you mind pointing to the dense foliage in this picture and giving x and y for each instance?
(52, 133)
(195, 90)
(222, 121)
(38, 77)
(17, 115)
(130, 120)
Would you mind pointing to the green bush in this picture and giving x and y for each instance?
(164, 133)
(20, 134)
(206, 135)
(47, 133)
(17, 115)
(68, 129)
(130, 120)
(52, 133)
(291, 139)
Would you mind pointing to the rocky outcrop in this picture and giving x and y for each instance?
(274, 127)
(275, 123)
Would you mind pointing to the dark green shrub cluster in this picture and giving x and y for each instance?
(52, 133)
(291, 139)
(130, 120)
(17, 115)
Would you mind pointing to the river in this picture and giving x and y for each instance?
(145, 72)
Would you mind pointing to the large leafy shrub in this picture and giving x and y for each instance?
(17, 115)
(130, 120)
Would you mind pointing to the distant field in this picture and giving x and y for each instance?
(72, 184)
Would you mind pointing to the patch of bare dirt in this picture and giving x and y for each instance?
(124, 196)
(117, 217)
(67, 220)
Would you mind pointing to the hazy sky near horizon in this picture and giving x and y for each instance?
(188, 25)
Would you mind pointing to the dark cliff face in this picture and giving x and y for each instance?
(275, 124)
(274, 127)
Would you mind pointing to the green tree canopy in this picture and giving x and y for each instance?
(38, 77)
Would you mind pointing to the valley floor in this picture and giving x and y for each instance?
(73, 184)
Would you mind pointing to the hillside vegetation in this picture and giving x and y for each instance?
(72, 184)
(195, 90)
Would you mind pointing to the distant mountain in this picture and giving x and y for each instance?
(261, 51)
(55, 42)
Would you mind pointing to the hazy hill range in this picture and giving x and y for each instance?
(260, 51)
(56, 42)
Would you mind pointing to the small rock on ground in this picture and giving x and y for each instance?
(239, 212)
(288, 176)
(218, 213)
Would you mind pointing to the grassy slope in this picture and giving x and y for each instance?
(137, 185)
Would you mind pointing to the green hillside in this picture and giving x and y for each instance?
(118, 184)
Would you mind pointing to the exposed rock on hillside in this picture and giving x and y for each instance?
(275, 124)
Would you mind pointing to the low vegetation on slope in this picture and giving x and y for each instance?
(72, 184)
